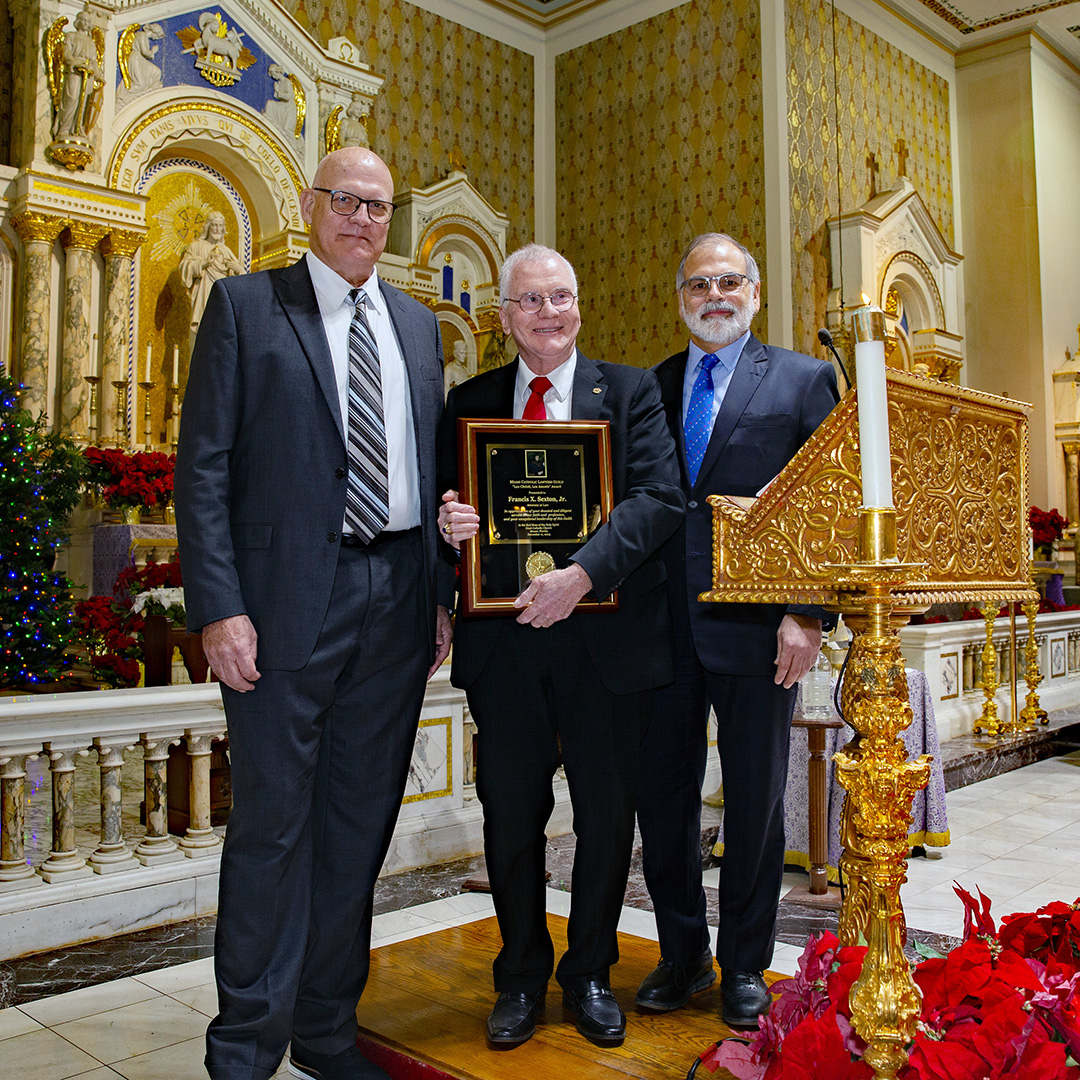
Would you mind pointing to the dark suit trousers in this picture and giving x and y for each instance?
(538, 692)
(319, 761)
(754, 724)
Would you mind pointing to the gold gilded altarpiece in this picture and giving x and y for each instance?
(958, 532)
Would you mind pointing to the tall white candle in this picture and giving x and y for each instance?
(869, 326)
(176, 365)
(148, 357)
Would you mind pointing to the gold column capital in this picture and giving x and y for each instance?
(83, 234)
(122, 243)
(1071, 447)
(32, 225)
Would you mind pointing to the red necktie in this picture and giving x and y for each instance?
(534, 407)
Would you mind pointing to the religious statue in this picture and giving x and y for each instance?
(74, 67)
(354, 124)
(283, 109)
(205, 261)
(137, 49)
(457, 370)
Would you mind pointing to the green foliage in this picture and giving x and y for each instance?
(40, 477)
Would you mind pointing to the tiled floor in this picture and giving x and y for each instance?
(1015, 836)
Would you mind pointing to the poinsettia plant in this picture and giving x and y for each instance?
(1002, 1005)
(109, 632)
(142, 478)
(1047, 526)
(153, 589)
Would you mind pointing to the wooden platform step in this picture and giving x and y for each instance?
(422, 1016)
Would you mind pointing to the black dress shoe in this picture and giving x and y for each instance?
(348, 1065)
(745, 997)
(598, 1015)
(513, 1020)
(673, 983)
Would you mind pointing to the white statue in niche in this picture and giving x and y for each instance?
(76, 79)
(137, 50)
(457, 369)
(205, 261)
(354, 124)
(280, 110)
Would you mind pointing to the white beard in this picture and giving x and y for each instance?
(718, 332)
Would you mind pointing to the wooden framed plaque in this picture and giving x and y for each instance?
(541, 490)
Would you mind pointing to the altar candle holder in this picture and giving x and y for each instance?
(121, 437)
(173, 401)
(93, 430)
(147, 386)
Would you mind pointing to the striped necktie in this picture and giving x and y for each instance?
(698, 424)
(367, 497)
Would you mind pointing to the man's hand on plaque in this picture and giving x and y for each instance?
(552, 596)
(457, 521)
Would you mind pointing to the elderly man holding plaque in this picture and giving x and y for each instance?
(570, 630)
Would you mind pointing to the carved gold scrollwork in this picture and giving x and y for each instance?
(33, 226)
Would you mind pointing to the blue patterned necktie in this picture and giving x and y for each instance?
(698, 424)
(367, 496)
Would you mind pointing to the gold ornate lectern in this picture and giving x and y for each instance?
(958, 531)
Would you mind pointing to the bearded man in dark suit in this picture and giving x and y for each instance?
(306, 512)
(738, 410)
(560, 679)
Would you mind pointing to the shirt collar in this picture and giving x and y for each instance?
(332, 290)
(728, 356)
(562, 378)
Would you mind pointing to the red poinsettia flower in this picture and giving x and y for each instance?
(816, 1049)
(1052, 930)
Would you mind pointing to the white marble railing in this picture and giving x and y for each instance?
(950, 655)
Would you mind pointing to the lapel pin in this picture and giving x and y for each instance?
(596, 389)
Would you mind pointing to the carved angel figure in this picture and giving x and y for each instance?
(75, 75)
(280, 110)
(138, 47)
(354, 124)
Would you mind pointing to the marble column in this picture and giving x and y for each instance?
(157, 846)
(38, 233)
(64, 862)
(79, 240)
(14, 871)
(200, 839)
(119, 249)
(112, 853)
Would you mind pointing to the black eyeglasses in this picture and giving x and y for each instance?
(346, 204)
(727, 283)
(532, 302)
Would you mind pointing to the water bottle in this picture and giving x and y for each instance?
(817, 687)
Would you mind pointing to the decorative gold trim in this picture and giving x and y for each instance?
(301, 103)
(966, 26)
(33, 226)
(424, 796)
(149, 119)
(122, 244)
(83, 195)
(84, 235)
(920, 264)
(458, 227)
(123, 51)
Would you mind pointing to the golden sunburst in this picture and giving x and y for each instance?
(180, 222)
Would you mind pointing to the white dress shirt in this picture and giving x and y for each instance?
(332, 292)
(557, 399)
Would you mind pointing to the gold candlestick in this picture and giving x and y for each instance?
(147, 387)
(989, 718)
(1032, 711)
(93, 428)
(121, 437)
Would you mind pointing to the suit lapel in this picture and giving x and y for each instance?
(589, 391)
(297, 297)
(745, 380)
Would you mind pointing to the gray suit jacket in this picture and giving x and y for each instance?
(261, 464)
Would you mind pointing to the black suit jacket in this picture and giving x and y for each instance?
(631, 648)
(775, 401)
(261, 464)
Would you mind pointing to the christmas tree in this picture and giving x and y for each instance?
(40, 476)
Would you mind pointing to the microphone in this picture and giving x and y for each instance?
(825, 338)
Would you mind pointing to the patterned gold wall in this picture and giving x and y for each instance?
(884, 96)
(445, 87)
(659, 138)
(6, 76)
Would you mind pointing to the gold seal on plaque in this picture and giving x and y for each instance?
(539, 562)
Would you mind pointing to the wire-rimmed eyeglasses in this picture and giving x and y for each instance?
(726, 283)
(532, 302)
